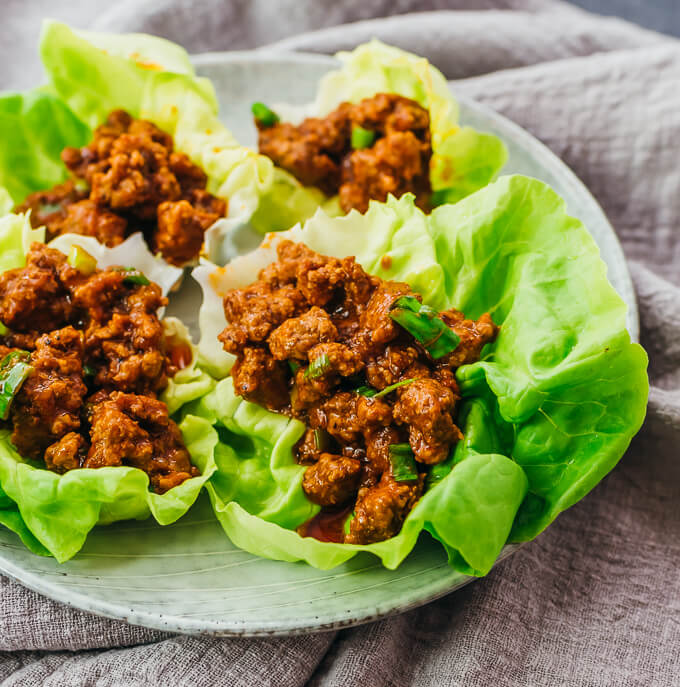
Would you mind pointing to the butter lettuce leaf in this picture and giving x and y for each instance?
(97, 73)
(546, 413)
(36, 127)
(463, 159)
(53, 513)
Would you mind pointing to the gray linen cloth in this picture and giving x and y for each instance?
(595, 600)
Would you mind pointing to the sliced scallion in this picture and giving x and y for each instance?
(14, 369)
(425, 325)
(362, 138)
(322, 439)
(264, 115)
(403, 463)
(294, 366)
(369, 392)
(81, 260)
(318, 367)
(132, 276)
(3, 329)
(348, 522)
(89, 371)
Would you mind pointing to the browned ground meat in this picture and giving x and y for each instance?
(66, 454)
(48, 404)
(319, 152)
(133, 430)
(332, 480)
(126, 350)
(135, 180)
(36, 297)
(259, 378)
(89, 219)
(298, 335)
(93, 336)
(308, 335)
(426, 407)
(49, 207)
(380, 510)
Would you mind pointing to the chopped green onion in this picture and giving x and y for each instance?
(403, 463)
(318, 367)
(49, 208)
(294, 366)
(81, 260)
(89, 371)
(3, 329)
(425, 325)
(132, 276)
(362, 138)
(14, 369)
(321, 439)
(374, 393)
(437, 473)
(348, 521)
(264, 115)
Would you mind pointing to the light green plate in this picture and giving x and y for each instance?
(188, 577)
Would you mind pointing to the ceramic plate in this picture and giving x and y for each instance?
(188, 577)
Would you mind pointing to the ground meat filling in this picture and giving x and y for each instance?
(99, 358)
(130, 178)
(314, 338)
(319, 152)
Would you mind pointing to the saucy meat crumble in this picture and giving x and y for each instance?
(97, 358)
(361, 152)
(128, 179)
(367, 368)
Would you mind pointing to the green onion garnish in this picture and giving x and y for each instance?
(14, 369)
(318, 367)
(321, 439)
(425, 325)
(346, 525)
(437, 473)
(362, 138)
(89, 371)
(3, 329)
(264, 115)
(294, 366)
(369, 392)
(132, 276)
(403, 463)
(81, 260)
(49, 208)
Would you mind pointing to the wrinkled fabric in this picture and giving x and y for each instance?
(594, 600)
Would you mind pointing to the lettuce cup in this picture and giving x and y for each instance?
(125, 138)
(494, 421)
(90, 374)
(384, 123)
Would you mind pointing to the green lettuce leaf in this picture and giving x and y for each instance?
(41, 126)
(152, 79)
(53, 513)
(60, 510)
(463, 159)
(546, 413)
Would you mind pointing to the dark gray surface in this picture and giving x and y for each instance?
(660, 15)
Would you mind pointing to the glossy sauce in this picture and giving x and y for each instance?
(180, 356)
(327, 525)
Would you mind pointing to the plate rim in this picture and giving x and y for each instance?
(241, 628)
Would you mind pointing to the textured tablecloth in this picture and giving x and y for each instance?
(595, 600)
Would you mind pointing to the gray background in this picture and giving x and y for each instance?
(20, 22)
